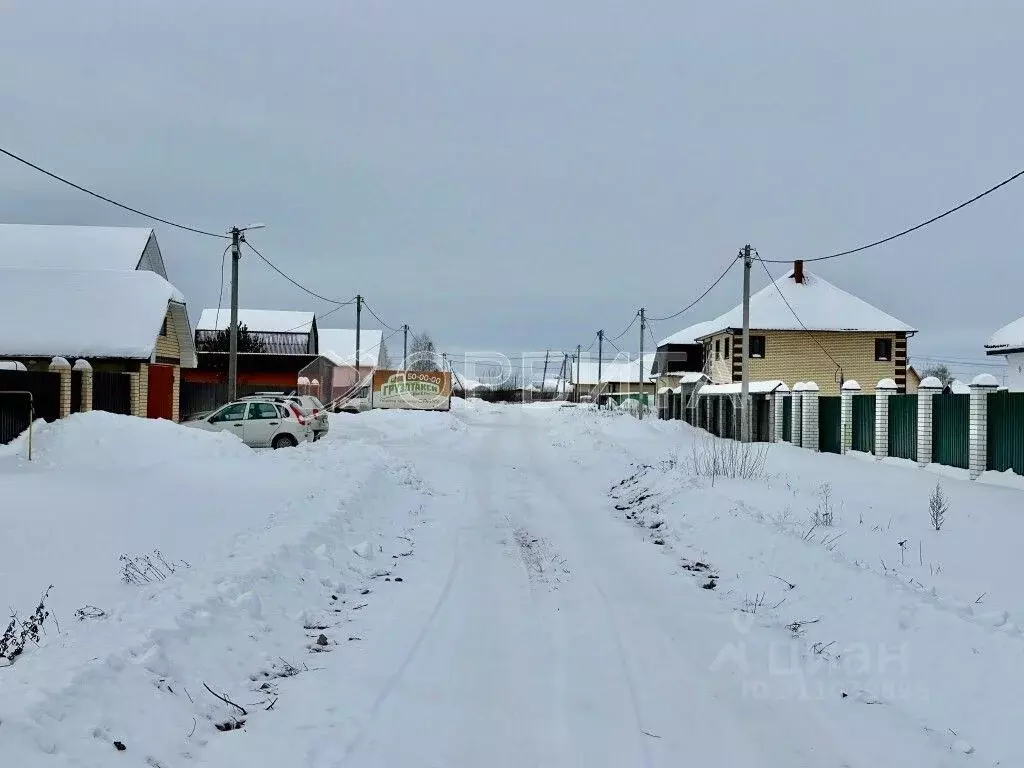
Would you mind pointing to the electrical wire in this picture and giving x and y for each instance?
(700, 298)
(106, 199)
(914, 228)
(295, 282)
(369, 309)
(220, 297)
(839, 368)
(625, 330)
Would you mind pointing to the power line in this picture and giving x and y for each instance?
(370, 310)
(106, 199)
(700, 298)
(624, 330)
(839, 368)
(914, 228)
(295, 282)
(220, 297)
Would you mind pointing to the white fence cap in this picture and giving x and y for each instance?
(851, 386)
(886, 384)
(930, 382)
(984, 380)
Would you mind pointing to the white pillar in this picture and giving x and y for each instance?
(809, 416)
(849, 389)
(981, 387)
(883, 390)
(797, 414)
(780, 405)
(926, 390)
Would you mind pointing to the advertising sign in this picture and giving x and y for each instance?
(413, 390)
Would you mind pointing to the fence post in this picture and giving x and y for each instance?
(981, 386)
(926, 390)
(779, 396)
(140, 391)
(883, 390)
(176, 395)
(62, 367)
(797, 415)
(846, 393)
(85, 369)
(809, 416)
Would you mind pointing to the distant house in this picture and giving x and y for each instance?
(279, 332)
(1008, 343)
(619, 379)
(132, 322)
(75, 247)
(335, 369)
(837, 337)
(913, 380)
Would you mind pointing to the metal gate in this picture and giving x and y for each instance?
(111, 392)
(903, 426)
(787, 419)
(863, 433)
(1006, 431)
(829, 430)
(44, 387)
(950, 420)
(160, 392)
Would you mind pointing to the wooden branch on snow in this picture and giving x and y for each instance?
(226, 700)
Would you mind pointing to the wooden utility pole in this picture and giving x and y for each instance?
(544, 378)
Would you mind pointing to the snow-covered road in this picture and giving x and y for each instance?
(490, 593)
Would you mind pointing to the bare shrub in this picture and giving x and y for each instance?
(147, 569)
(19, 633)
(824, 513)
(938, 506)
(729, 459)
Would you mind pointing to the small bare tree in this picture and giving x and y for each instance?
(938, 506)
(824, 514)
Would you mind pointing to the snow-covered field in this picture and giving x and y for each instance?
(500, 586)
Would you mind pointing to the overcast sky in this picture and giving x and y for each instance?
(517, 175)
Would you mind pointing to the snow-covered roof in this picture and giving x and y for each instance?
(819, 304)
(467, 384)
(73, 247)
(257, 320)
(339, 345)
(1008, 337)
(693, 377)
(550, 385)
(691, 334)
(619, 370)
(756, 388)
(87, 313)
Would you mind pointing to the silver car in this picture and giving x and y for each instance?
(260, 423)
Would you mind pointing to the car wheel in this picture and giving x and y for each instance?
(284, 441)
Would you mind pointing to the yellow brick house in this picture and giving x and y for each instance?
(804, 328)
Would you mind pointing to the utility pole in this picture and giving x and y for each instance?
(643, 327)
(567, 373)
(745, 352)
(237, 238)
(236, 256)
(579, 365)
(405, 347)
(600, 358)
(544, 378)
(359, 320)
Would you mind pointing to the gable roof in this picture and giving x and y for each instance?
(78, 247)
(257, 320)
(819, 304)
(88, 313)
(691, 334)
(618, 371)
(339, 346)
(1009, 337)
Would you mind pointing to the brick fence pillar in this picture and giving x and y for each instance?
(797, 414)
(85, 369)
(883, 390)
(62, 367)
(778, 409)
(849, 389)
(809, 416)
(926, 390)
(140, 391)
(981, 387)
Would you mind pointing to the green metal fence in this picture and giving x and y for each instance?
(787, 419)
(950, 417)
(863, 432)
(762, 418)
(903, 426)
(829, 429)
(1006, 431)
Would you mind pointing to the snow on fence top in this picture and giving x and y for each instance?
(257, 320)
(84, 313)
(1008, 337)
(756, 388)
(817, 302)
(339, 346)
(853, 386)
(984, 380)
(72, 247)
(930, 382)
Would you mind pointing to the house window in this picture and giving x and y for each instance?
(718, 349)
(726, 348)
(757, 346)
(883, 350)
(163, 327)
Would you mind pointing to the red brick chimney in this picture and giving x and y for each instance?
(798, 271)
